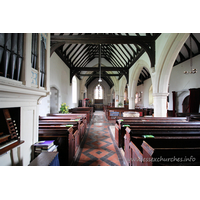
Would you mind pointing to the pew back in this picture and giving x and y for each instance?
(180, 136)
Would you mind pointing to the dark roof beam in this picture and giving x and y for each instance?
(75, 60)
(90, 57)
(121, 63)
(114, 60)
(197, 42)
(101, 39)
(123, 52)
(110, 57)
(76, 52)
(182, 57)
(84, 56)
(97, 75)
(119, 55)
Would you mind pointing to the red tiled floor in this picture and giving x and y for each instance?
(98, 148)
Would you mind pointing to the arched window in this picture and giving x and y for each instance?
(98, 92)
(136, 98)
(74, 90)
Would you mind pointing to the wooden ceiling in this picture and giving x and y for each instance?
(189, 49)
(118, 50)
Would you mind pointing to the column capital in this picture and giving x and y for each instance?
(160, 94)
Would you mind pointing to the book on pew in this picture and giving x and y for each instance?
(44, 144)
(40, 150)
(51, 149)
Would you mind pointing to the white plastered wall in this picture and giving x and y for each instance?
(181, 83)
(60, 79)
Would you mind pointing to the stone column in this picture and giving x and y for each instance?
(131, 103)
(160, 102)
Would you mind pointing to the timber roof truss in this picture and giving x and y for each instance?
(120, 50)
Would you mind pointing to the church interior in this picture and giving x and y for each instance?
(83, 100)
(101, 97)
(101, 105)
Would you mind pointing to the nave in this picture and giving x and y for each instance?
(98, 148)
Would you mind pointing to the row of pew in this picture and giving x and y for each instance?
(117, 112)
(67, 131)
(161, 141)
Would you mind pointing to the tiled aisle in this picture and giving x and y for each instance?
(98, 148)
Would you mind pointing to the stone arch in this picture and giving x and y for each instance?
(133, 80)
(163, 69)
(134, 76)
(166, 61)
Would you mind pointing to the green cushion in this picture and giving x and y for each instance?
(126, 125)
(148, 136)
(69, 125)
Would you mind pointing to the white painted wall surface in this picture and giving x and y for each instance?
(181, 82)
(144, 88)
(60, 79)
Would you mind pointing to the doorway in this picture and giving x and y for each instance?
(54, 100)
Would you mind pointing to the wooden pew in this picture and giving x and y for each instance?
(53, 120)
(59, 121)
(171, 151)
(81, 116)
(65, 139)
(120, 125)
(76, 132)
(110, 110)
(186, 135)
(83, 110)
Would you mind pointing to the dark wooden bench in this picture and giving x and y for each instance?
(165, 151)
(57, 120)
(82, 117)
(65, 139)
(120, 125)
(86, 110)
(176, 139)
(110, 116)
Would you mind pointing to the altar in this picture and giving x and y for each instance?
(98, 104)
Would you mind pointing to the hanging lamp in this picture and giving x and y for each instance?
(100, 64)
(192, 71)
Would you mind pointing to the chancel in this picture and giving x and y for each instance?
(104, 99)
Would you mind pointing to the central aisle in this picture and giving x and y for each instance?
(98, 148)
